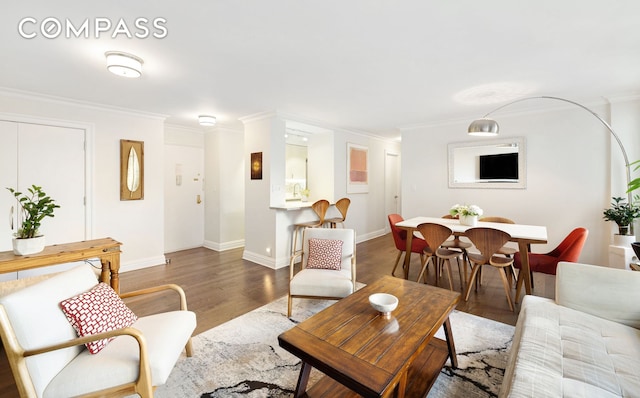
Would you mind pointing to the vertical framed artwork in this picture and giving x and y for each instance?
(357, 168)
(131, 170)
(256, 166)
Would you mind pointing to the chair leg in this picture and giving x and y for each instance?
(189, 348)
(424, 268)
(507, 290)
(393, 273)
(449, 273)
(289, 306)
(460, 273)
(474, 273)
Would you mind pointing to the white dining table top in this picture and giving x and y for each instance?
(532, 233)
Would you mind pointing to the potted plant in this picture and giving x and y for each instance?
(467, 214)
(35, 206)
(623, 214)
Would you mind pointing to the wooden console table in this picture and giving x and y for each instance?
(106, 249)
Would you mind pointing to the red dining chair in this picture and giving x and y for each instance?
(400, 239)
(568, 250)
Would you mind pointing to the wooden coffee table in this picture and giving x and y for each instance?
(366, 354)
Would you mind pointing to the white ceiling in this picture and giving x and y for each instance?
(368, 65)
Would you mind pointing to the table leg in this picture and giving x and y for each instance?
(525, 273)
(401, 388)
(407, 254)
(450, 343)
(111, 270)
(303, 379)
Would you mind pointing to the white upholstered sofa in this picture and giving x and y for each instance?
(585, 343)
(49, 360)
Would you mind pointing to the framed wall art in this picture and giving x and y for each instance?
(357, 168)
(256, 166)
(131, 170)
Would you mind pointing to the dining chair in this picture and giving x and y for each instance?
(400, 239)
(327, 265)
(342, 205)
(488, 241)
(507, 251)
(457, 244)
(568, 250)
(320, 208)
(435, 235)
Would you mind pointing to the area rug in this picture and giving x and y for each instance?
(241, 358)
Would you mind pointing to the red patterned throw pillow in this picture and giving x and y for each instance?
(325, 254)
(96, 311)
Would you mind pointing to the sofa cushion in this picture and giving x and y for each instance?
(558, 351)
(37, 305)
(96, 311)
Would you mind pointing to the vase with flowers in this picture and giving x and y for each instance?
(467, 214)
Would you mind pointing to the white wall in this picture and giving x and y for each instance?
(139, 224)
(569, 156)
(224, 188)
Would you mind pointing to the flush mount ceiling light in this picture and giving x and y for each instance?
(123, 64)
(206, 120)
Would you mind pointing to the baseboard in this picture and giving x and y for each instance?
(144, 263)
(220, 247)
(265, 261)
(369, 236)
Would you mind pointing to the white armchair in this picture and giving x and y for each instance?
(328, 265)
(49, 360)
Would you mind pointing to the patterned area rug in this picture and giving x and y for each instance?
(241, 358)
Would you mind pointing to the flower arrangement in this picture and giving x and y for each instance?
(465, 210)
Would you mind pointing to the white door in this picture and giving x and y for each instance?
(184, 198)
(50, 157)
(391, 186)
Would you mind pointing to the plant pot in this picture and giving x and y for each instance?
(471, 221)
(623, 229)
(26, 246)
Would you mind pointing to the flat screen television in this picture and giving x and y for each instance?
(502, 166)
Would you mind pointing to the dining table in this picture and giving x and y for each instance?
(523, 235)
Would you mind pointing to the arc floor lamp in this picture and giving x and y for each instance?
(489, 127)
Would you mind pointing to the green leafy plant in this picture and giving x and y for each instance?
(36, 205)
(622, 213)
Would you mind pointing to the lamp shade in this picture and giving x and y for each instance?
(483, 127)
(206, 120)
(123, 64)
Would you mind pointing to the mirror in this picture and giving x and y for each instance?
(497, 163)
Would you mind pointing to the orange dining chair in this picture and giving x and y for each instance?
(400, 239)
(342, 205)
(435, 235)
(320, 208)
(568, 250)
(488, 241)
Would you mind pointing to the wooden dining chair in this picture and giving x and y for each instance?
(342, 205)
(320, 208)
(488, 241)
(435, 235)
(507, 251)
(457, 244)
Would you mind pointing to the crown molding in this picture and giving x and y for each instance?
(14, 93)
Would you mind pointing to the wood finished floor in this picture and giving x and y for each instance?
(221, 286)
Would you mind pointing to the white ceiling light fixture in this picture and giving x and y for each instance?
(206, 120)
(123, 64)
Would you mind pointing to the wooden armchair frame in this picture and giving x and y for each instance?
(17, 356)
